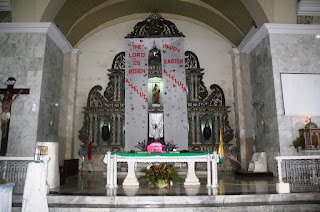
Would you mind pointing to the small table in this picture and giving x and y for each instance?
(132, 158)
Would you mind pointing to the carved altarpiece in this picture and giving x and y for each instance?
(202, 104)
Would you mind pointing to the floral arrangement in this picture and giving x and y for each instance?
(2, 181)
(171, 145)
(155, 147)
(143, 145)
(161, 175)
(299, 142)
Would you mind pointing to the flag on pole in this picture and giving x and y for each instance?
(220, 149)
(89, 149)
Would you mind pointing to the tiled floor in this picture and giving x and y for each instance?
(93, 184)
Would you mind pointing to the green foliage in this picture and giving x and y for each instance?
(299, 142)
(142, 145)
(2, 181)
(162, 173)
(171, 145)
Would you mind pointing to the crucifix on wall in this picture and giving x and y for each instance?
(9, 95)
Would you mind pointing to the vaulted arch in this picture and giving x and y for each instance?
(79, 18)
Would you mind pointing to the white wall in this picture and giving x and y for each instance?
(98, 51)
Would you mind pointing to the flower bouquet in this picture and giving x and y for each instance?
(2, 181)
(162, 175)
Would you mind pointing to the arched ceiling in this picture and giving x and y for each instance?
(229, 18)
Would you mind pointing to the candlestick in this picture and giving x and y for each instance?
(37, 154)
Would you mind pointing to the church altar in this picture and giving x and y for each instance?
(131, 159)
(154, 70)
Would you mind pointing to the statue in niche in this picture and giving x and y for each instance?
(207, 131)
(156, 133)
(106, 132)
(156, 94)
(155, 127)
(154, 58)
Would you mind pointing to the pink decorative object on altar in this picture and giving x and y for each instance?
(155, 147)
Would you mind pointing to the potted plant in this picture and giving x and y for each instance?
(142, 145)
(171, 145)
(299, 143)
(162, 175)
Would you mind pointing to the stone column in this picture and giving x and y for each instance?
(243, 107)
(193, 129)
(67, 144)
(216, 129)
(119, 88)
(108, 168)
(53, 174)
(214, 170)
(96, 129)
(209, 170)
(192, 88)
(90, 127)
(196, 87)
(115, 88)
(198, 126)
(114, 128)
(118, 128)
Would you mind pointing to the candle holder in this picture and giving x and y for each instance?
(37, 155)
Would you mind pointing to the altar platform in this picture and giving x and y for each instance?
(87, 192)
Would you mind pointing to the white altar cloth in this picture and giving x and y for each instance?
(34, 194)
(131, 158)
(6, 197)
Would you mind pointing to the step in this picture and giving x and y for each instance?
(260, 202)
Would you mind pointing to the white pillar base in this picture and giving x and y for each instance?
(53, 178)
(283, 188)
(131, 179)
(191, 179)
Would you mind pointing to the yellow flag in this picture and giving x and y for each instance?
(221, 150)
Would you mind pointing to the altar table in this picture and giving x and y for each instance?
(35, 191)
(6, 197)
(131, 158)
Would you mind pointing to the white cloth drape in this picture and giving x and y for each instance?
(34, 194)
(6, 197)
(174, 90)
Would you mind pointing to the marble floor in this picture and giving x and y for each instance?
(93, 184)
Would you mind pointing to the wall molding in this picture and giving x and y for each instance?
(44, 27)
(5, 5)
(233, 51)
(309, 8)
(252, 40)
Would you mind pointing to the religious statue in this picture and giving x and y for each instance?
(6, 109)
(155, 126)
(156, 133)
(156, 94)
(207, 132)
(105, 132)
(7, 100)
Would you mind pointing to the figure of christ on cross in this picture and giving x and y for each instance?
(6, 109)
(7, 100)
